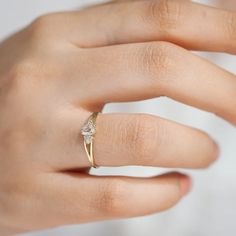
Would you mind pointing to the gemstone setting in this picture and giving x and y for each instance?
(88, 131)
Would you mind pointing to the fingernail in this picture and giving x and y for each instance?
(185, 185)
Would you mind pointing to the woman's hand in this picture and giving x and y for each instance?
(65, 66)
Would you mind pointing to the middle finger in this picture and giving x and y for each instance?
(147, 70)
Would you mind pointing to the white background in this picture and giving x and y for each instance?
(210, 209)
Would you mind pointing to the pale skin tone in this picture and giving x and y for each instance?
(64, 66)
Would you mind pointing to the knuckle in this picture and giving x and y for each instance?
(113, 197)
(156, 60)
(42, 22)
(154, 57)
(142, 139)
(44, 27)
(230, 23)
(22, 76)
(164, 14)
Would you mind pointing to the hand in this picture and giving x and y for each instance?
(64, 66)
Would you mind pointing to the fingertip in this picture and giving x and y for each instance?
(184, 181)
(217, 151)
(185, 185)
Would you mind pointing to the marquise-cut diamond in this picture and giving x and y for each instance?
(88, 131)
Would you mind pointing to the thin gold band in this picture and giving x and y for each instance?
(88, 131)
(89, 152)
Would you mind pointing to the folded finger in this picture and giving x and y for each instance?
(147, 70)
(80, 198)
(185, 23)
(130, 139)
(146, 140)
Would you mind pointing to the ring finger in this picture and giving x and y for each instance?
(131, 139)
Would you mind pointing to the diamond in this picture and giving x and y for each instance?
(88, 139)
(88, 129)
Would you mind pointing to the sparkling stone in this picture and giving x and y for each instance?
(88, 139)
(88, 129)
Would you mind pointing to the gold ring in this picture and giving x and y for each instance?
(88, 131)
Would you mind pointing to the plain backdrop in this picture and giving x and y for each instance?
(210, 209)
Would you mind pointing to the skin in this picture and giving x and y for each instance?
(64, 66)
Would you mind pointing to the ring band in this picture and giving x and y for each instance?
(88, 131)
